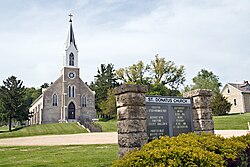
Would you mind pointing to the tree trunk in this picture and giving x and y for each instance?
(10, 119)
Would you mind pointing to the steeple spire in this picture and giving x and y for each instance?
(71, 52)
(70, 38)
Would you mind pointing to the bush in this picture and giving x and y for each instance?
(190, 150)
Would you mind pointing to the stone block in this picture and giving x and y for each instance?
(131, 126)
(198, 92)
(203, 125)
(131, 112)
(130, 88)
(123, 150)
(130, 99)
(202, 113)
(132, 139)
(201, 102)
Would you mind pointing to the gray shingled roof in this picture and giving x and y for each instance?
(245, 88)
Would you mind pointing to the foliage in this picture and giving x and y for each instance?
(162, 77)
(12, 95)
(31, 94)
(108, 106)
(53, 156)
(231, 122)
(104, 80)
(205, 80)
(220, 105)
(134, 74)
(188, 150)
(44, 85)
(166, 72)
(160, 89)
(44, 129)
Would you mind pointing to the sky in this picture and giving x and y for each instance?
(199, 34)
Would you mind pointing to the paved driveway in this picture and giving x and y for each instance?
(71, 139)
(85, 138)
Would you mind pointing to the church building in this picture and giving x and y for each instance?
(68, 98)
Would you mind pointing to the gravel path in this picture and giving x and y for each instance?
(85, 138)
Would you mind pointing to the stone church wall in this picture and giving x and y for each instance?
(52, 114)
(89, 110)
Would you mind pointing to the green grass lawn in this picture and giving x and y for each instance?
(228, 122)
(74, 155)
(44, 129)
(108, 126)
(4, 128)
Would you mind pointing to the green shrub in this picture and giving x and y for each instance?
(190, 150)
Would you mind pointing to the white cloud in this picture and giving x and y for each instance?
(199, 34)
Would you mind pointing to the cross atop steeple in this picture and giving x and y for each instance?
(70, 16)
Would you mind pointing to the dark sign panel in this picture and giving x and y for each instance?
(168, 116)
(157, 121)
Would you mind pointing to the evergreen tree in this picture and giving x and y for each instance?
(104, 80)
(220, 105)
(12, 96)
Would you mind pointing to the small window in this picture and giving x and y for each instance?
(73, 91)
(235, 103)
(69, 91)
(228, 90)
(71, 59)
(54, 100)
(84, 101)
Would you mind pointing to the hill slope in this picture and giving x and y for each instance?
(44, 129)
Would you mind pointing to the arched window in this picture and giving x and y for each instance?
(54, 100)
(71, 91)
(84, 101)
(71, 59)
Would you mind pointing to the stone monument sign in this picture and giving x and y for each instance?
(168, 116)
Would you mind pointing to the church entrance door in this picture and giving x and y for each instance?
(71, 111)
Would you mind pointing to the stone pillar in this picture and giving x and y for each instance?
(202, 112)
(131, 117)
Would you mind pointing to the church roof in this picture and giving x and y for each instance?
(70, 38)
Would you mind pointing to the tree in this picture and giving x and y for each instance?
(44, 85)
(108, 106)
(134, 74)
(206, 80)
(31, 94)
(2, 115)
(220, 105)
(104, 80)
(167, 73)
(161, 76)
(12, 95)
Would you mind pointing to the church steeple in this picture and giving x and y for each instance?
(71, 56)
(70, 38)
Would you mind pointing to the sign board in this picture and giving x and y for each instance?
(168, 116)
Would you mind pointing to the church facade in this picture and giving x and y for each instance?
(68, 98)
